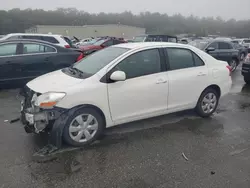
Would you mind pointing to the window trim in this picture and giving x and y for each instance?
(22, 42)
(106, 77)
(165, 49)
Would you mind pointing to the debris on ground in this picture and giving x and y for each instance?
(212, 172)
(184, 156)
(238, 151)
(5, 121)
(14, 120)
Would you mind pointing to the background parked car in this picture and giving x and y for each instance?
(246, 69)
(155, 38)
(219, 49)
(54, 39)
(242, 50)
(100, 44)
(22, 60)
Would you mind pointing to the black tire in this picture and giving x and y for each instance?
(247, 80)
(233, 64)
(198, 107)
(101, 126)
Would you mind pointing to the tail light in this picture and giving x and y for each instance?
(229, 69)
(67, 46)
(80, 57)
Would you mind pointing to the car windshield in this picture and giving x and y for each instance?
(96, 61)
(247, 41)
(99, 42)
(139, 39)
(199, 44)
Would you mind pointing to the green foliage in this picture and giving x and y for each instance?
(17, 20)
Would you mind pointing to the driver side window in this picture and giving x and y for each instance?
(214, 45)
(140, 64)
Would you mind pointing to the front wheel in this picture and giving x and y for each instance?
(207, 103)
(83, 127)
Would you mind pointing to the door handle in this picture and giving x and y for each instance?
(202, 74)
(161, 81)
(46, 59)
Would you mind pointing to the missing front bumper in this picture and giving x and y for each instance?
(39, 121)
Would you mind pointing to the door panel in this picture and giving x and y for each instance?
(188, 77)
(138, 96)
(185, 87)
(37, 59)
(10, 68)
(145, 91)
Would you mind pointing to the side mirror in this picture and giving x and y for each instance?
(118, 76)
(102, 45)
(210, 49)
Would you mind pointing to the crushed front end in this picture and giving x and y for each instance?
(34, 118)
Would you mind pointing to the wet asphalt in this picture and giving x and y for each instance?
(177, 150)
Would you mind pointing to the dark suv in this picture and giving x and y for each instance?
(246, 68)
(219, 49)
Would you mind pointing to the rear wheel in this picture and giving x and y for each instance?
(233, 64)
(242, 56)
(247, 80)
(207, 103)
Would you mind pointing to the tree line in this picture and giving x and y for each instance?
(17, 20)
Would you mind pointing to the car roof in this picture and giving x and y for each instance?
(28, 40)
(33, 34)
(138, 45)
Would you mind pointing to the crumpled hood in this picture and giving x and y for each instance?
(54, 81)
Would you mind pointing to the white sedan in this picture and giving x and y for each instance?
(124, 83)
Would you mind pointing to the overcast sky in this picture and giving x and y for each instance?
(227, 9)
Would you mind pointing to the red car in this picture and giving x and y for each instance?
(100, 44)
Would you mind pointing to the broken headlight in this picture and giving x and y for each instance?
(49, 100)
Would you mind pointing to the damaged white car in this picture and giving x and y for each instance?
(121, 84)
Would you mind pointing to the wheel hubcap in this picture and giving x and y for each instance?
(233, 65)
(83, 127)
(242, 57)
(209, 103)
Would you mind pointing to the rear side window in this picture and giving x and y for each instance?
(197, 60)
(36, 48)
(179, 58)
(224, 45)
(50, 39)
(8, 49)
